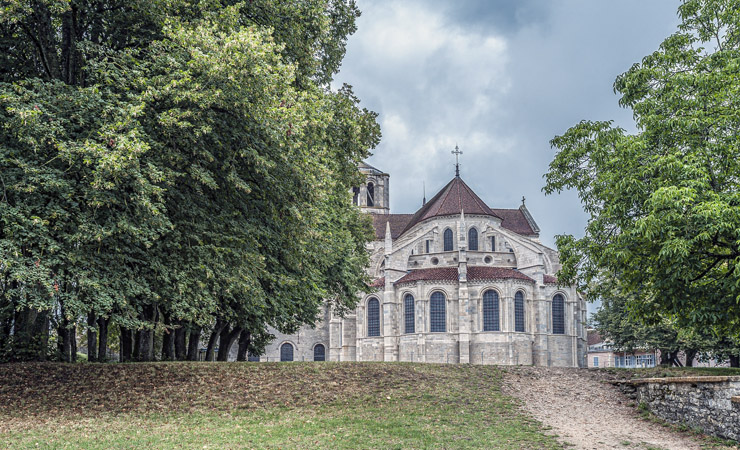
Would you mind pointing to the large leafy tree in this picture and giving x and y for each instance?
(170, 164)
(664, 203)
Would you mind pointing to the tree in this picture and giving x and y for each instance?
(167, 165)
(664, 203)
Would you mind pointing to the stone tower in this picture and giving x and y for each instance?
(374, 195)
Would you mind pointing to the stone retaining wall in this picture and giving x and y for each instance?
(710, 403)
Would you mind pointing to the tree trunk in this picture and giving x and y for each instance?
(217, 328)
(92, 338)
(145, 340)
(227, 341)
(735, 361)
(103, 345)
(73, 343)
(64, 342)
(168, 340)
(690, 355)
(41, 330)
(127, 345)
(180, 347)
(193, 343)
(665, 357)
(135, 338)
(244, 340)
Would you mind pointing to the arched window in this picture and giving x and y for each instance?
(473, 239)
(286, 352)
(408, 314)
(558, 314)
(448, 240)
(252, 357)
(491, 311)
(437, 316)
(370, 194)
(319, 352)
(519, 311)
(373, 317)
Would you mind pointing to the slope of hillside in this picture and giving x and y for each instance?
(261, 405)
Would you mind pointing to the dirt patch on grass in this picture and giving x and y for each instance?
(585, 410)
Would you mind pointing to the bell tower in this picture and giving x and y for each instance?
(374, 195)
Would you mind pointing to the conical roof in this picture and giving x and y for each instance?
(452, 199)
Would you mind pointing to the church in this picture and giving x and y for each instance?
(455, 282)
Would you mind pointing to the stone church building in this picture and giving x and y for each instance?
(454, 282)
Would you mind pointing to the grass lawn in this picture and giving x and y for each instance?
(261, 405)
(663, 372)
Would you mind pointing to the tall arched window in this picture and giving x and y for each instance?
(286, 352)
(408, 314)
(437, 315)
(519, 311)
(373, 317)
(558, 314)
(370, 194)
(448, 240)
(319, 352)
(473, 239)
(491, 311)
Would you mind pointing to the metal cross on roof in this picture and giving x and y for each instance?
(457, 154)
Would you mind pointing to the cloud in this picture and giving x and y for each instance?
(499, 79)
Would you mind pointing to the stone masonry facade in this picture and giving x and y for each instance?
(455, 282)
(711, 404)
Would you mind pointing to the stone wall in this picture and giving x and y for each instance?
(709, 403)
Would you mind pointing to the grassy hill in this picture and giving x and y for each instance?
(260, 405)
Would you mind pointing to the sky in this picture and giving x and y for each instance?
(499, 79)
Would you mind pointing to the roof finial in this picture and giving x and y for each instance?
(424, 187)
(457, 154)
(523, 200)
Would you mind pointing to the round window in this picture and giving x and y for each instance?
(435, 261)
(488, 259)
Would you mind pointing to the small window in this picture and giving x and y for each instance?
(427, 246)
(408, 314)
(473, 239)
(448, 240)
(596, 361)
(370, 194)
(493, 243)
(286, 352)
(373, 317)
(355, 196)
(437, 315)
(491, 311)
(519, 311)
(558, 314)
(252, 357)
(319, 353)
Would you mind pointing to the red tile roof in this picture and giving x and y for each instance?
(398, 223)
(594, 337)
(514, 220)
(549, 279)
(435, 274)
(455, 197)
(378, 283)
(475, 273)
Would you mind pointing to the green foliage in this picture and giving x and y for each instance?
(664, 203)
(187, 159)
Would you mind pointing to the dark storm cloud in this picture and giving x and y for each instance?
(500, 79)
